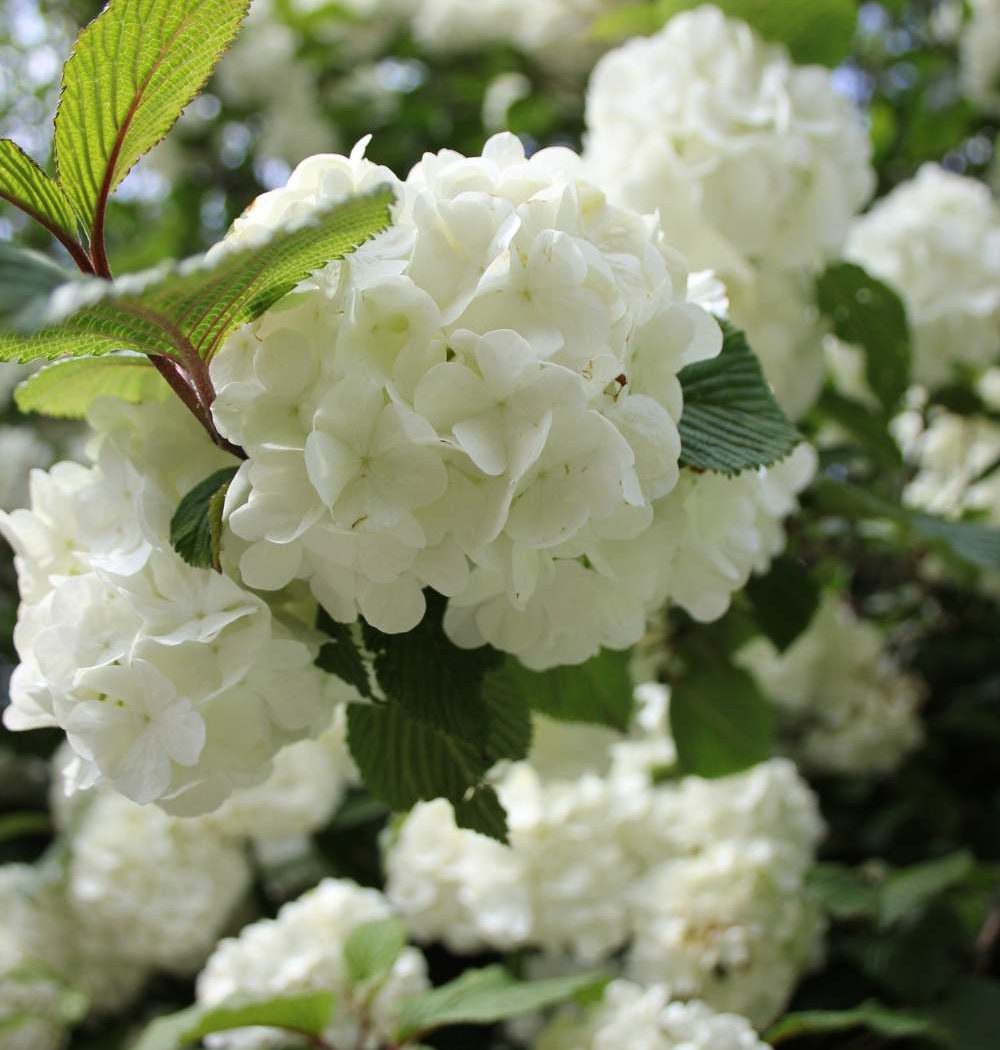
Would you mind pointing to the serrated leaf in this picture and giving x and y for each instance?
(870, 1016)
(132, 71)
(720, 720)
(731, 420)
(306, 1014)
(488, 996)
(598, 691)
(868, 313)
(372, 949)
(907, 892)
(27, 280)
(26, 186)
(66, 389)
(196, 527)
(784, 600)
(190, 308)
(341, 655)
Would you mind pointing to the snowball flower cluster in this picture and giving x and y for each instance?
(631, 1016)
(484, 400)
(845, 706)
(173, 684)
(936, 240)
(747, 157)
(980, 50)
(303, 950)
(699, 883)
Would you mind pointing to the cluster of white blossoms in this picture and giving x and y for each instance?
(173, 684)
(699, 882)
(629, 1015)
(980, 49)
(755, 166)
(845, 705)
(302, 950)
(483, 400)
(936, 240)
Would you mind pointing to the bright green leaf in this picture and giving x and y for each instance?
(867, 312)
(195, 529)
(27, 280)
(372, 949)
(132, 71)
(66, 389)
(306, 1014)
(598, 691)
(784, 600)
(720, 720)
(731, 420)
(907, 892)
(487, 996)
(871, 1016)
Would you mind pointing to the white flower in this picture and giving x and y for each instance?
(936, 240)
(303, 950)
(980, 48)
(746, 157)
(646, 1019)
(22, 450)
(845, 707)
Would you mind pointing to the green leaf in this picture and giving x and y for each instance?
(977, 545)
(906, 893)
(871, 1016)
(66, 389)
(131, 73)
(487, 996)
(868, 313)
(190, 308)
(372, 949)
(844, 893)
(196, 527)
(971, 1014)
(599, 691)
(720, 720)
(26, 186)
(868, 427)
(14, 825)
(306, 1014)
(784, 600)
(341, 655)
(27, 280)
(731, 420)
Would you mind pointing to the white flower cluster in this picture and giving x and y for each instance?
(174, 684)
(647, 1018)
(484, 400)
(699, 882)
(303, 950)
(980, 49)
(936, 240)
(755, 166)
(845, 706)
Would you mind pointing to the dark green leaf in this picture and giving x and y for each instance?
(487, 996)
(871, 1016)
(784, 601)
(869, 428)
(27, 279)
(907, 892)
(66, 389)
(971, 1014)
(845, 894)
(195, 529)
(341, 655)
(14, 825)
(721, 722)
(868, 313)
(372, 949)
(731, 420)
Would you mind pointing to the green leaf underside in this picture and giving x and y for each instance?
(66, 389)
(27, 279)
(309, 1014)
(731, 420)
(784, 601)
(372, 948)
(877, 1019)
(25, 185)
(194, 306)
(598, 691)
(721, 722)
(868, 313)
(487, 996)
(196, 526)
(132, 71)
(977, 545)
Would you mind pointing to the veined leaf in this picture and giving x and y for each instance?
(187, 309)
(731, 420)
(26, 186)
(131, 73)
(196, 527)
(27, 280)
(67, 388)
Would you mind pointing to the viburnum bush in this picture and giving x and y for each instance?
(475, 555)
